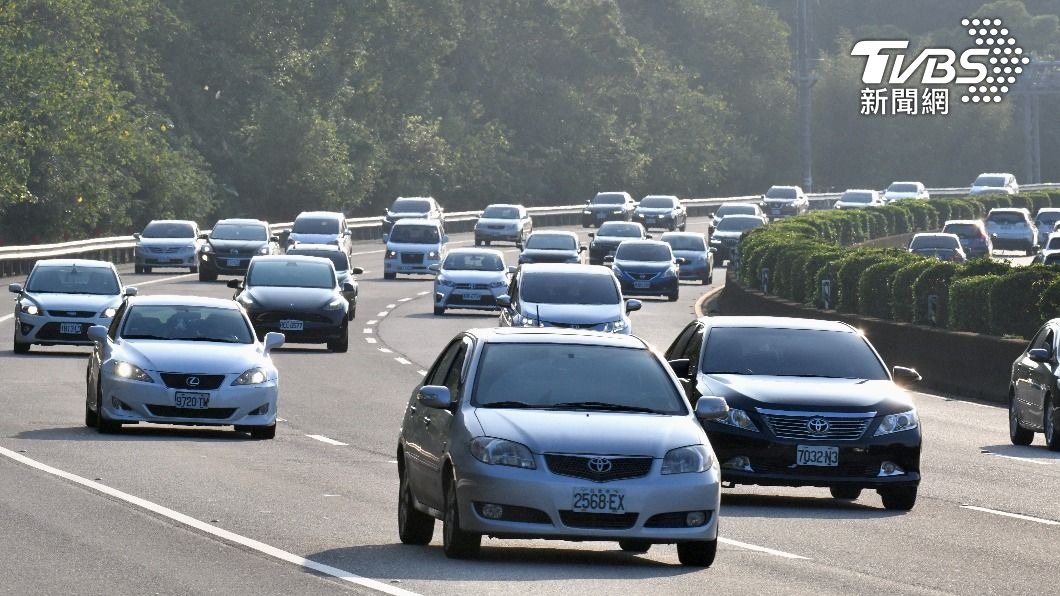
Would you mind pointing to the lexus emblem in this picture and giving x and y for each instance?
(817, 425)
(192, 381)
(599, 465)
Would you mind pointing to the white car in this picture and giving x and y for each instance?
(182, 360)
(905, 190)
(989, 183)
(1011, 228)
(1046, 220)
(471, 278)
(1050, 250)
(503, 223)
(857, 198)
(167, 243)
(62, 298)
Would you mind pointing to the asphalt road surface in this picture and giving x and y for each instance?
(172, 510)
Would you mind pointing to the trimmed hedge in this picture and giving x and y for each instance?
(902, 287)
(1014, 300)
(1049, 303)
(970, 300)
(848, 275)
(933, 281)
(875, 298)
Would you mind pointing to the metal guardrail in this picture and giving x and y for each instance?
(18, 260)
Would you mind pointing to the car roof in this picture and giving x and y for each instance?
(554, 233)
(512, 335)
(674, 197)
(976, 222)
(240, 220)
(476, 251)
(615, 224)
(309, 246)
(777, 323)
(409, 221)
(173, 221)
(513, 205)
(784, 186)
(906, 182)
(1049, 210)
(995, 174)
(320, 214)
(859, 190)
(1008, 210)
(929, 234)
(87, 263)
(171, 299)
(739, 216)
(565, 269)
(420, 198)
(736, 204)
(290, 258)
(644, 242)
(612, 192)
(1053, 235)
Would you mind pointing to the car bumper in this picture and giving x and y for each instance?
(663, 287)
(472, 299)
(1012, 242)
(693, 271)
(131, 401)
(166, 260)
(49, 330)
(312, 332)
(396, 266)
(224, 265)
(654, 221)
(545, 503)
(779, 212)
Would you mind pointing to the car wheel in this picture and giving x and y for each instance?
(146, 269)
(439, 310)
(1016, 433)
(674, 295)
(138, 268)
(486, 242)
(684, 226)
(260, 433)
(103, 425)
(707, 278)
(353, 312)
(414, 526)
(634, 546)
(898, 498)
(697, 554)
(90, 416)
(207, 275)
(457, 543)
(848, 493)
(342, 344)
(1052, 428)
(18, 346)
(390, 275)
(478, 242)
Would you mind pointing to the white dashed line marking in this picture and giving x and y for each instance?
(1013, 457)
(6, 317)
(327, 440)
(423, 373)
(382, 314)
(371, 322)
(761, 549)
(163, 279)
(404, 299)
(367, 329)
(370, 340)
(391, 306)
(367, 252)
(386, 350)
(278, 419)
(1039, 520)
(402, 360)
(423, 293)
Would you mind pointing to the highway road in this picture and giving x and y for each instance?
(171, 510)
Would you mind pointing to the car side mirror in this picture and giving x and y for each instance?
(713, 249)
(681, 367)
(905, 376)
(386, 237)
(235, 284)
(136, 235)
(97, 333)
(203, 236)
(434, 267)
(274, 238)
(592, 234)
(504, 300)
(357, 270)
(130, 291)
(14, 288)
(287, 231)
(274, 340)
(711, 407)
(434, 396)
(348, 287)
(512, 269)
(632, 305)
(609, 259)
(1039, 355)
(681, 261)
(445, 239)
(582, 248)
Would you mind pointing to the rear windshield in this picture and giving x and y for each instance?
(415, 235)
(569, 288)
(609, 198)
(411, 206)
(779, 192)
(657, 203)
(686, 243)
(291, 274)
(619, 229)
(337, 257)
(230, 231)
(790, 352)
(473, 262)
(73, 279)
(157, 229)
(856, 197)
(187, 323)
(963, 230)
(1006, 217)
(735, 210)
(635, 251)
(1048, 217)
(316, 225)
(903, 187)
(501, 213)
(932, 242)
(571, 377)
(551, 242)
(738, 224)
(996, 181)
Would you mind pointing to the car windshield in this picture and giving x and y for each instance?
(738, 224)
(902, 187)
(552, 242)
(635, 251)
(964, 230)
(168, 229)
(1052, 259)
(473, 262)
(414, 235)
(609, 198)
(574, 377)
(73, 279)
(996, 181)
(736, 209)
(780, 192)
(943, 254)
(1054, 243)
(501, 213)
(282, 273)
(790, 353)
(231, 231)
(316, 225)
(856, 197)
(695, 243)
(569, 288)
(932, 241)
(1048, 218)
(1006, 217)
(189, 323)
(657, 203)
(337, 257)
(410, 206)
(619, 230)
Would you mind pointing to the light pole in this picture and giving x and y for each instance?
(804, 81)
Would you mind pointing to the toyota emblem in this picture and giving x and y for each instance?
(192, 381)
(599, 465)
(817, 425)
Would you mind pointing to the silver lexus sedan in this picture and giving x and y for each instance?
(560, 434)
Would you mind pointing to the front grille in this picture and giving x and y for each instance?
(570, 325)
(175, 412)
(164, 250)
(515, 513)
(76, 314)
(277, 316)
(501, 227)
(676, 519)
(842, 470)
(50, 331)
(642, 276)
(598, 521)
(412, 258)
(577, 466)
(471, 286)
(180, 381)
(798, 426)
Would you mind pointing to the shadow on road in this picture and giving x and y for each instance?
(798, 507)
(454, 314)
(133, 433)
(1031, 452)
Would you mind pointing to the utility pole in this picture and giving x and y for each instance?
(1040, 78)
(804, 81)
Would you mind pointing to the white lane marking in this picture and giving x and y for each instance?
(163, 279)
(1039, 520)
(404, 299)
(6, 317)
(1013, 457)
(423, 293)
(327, 440)
(367, 329)
(402, 360)
(386, 350)
(761, 549)
(371, 322)
(959, 401)
(210, 529)
(370, 340)
(278, 419)
(423, 373)
(383, 314)
(367, 252)
(389, 306)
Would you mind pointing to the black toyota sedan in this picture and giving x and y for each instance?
(608, 206)
(1033, 405)
(231, 244)
(298, 296)
(811, 404)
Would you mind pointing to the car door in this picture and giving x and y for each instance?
(1041, 380)
(438, 423)
(1025, 383)
(679, 347)
(414, 430)
(508, 313)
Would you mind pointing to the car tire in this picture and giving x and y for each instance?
(263, 433)
(439, 310)
(146, 269)
(684, 226)
(846, 493)
(1051, 424)
(207, 275)
(899, 497)
(1016, 433)
(414, 526)
(707, 278)
(389, 275)
(700, 553)
(673, 296)
(342, 344)
(457, 543)
(478, 242)
(18, 346)
(103, 425)
(634, 546)
(353, 313)
(138, 268)
(90, 416)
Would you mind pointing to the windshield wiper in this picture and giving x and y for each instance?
(217, 339)
(601, 405)
(507, 404)
(727, 372)
(143, 336)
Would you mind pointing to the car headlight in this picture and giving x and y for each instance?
(500, 452)
(391, 254)
(893, 423)
(614, 326)
(616, 211)
(130, 371)
(739, 419)
(336, 304)
(29, 309)
(254, 376)
(207, 248)
(264, 250)
(432, 255)
(587, 212)
(498, 284)
(108, 313)
(685, 460)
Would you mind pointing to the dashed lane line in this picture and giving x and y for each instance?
(423, 373)
(1013, 457)
(328, 440)
(367, 330)
(404, 299)
(6, 317)
(163, 279)
(371, 322)
(402, 360)
(760, 549)
(389, 306)
(386, 350)
(1047, 522)
(423, 293)
(370, 340)
(382, 314)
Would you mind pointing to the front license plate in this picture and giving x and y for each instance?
(472, 297)
(650, 220)
(70, 328)
(191, 401)
(599, 500)
(601, 215)
(233, 262)
(776, 211)
(813, 455)
(291, 325)
(642, 285)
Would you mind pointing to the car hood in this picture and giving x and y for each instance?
(272, 298)
(726, 235)
(475, 277)
(223, 246)
(642, 266)
(94, 302)
(573, 314)
(793, 393)
(313, 238)
(654, 210)
(406, 247)
(497, 222)
(603, 433)
(537, 253)
(166, 242)
(611, 241)
(605, 207)
(201, 357)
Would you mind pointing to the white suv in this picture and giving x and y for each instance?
(988, 183)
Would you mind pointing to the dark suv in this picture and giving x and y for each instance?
(231, 244)
(608, 206)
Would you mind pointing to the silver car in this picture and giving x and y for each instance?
(1011, 228)
(471, 278)
(62, 298)
(167, 243)
(182, 360)
(569, 435)
(503, 223)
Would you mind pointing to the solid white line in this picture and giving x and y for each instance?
(422, 372)
(386, 350)
(404, 299)
(163, 279)
(761, 549)
(391, 305)
(383, 314)
(402, 360)
(370, 340)
(204, 527)
(367, 329)
(423, 293)
(1039, 520)
(327, 440)
(6, 317)
(371, 322)
(367, 252)
(1013, 457)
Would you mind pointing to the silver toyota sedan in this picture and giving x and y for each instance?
(559, 434)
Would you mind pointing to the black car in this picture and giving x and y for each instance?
(661, 211)
(552, 247)
(1033, 406)
(343, 270)
(231, 244)
(811, 404)
(608, 206)
(297, 296)
(611, 234)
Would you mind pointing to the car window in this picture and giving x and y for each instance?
(1006, 217)
(685, 243)
(678, 347)
(415, 234)
(473, 262)
(73, 279)
(158, 229)
(790, 352)
(291, 274)
(115, 322)
(410, 206)
(552, 242)
(609, 198)
(233, 231)
(691, 350)
(932, 241)
(778, 192)
(501, 213)
(440, 370)
(187, 323)
(856, 197)
(738, 224)
(453, 378)
(316, 225)
(635, 251)
(963, 230)
(1048, 217)
(996, 181)
(1044, 340)
(903, 187)
(337, 257)
(735, 209)
(619, 230)
(569, 288)
(657, 203)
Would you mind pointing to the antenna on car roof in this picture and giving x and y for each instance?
(537, 314)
